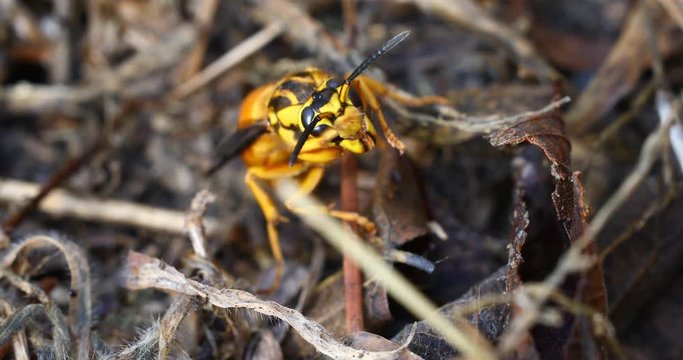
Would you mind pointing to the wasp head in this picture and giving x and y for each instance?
(332, 114)
(331, 117)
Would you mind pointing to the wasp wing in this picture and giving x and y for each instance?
(234, 144)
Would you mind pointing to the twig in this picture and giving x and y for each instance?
(168, 326)
(675, 10)
(461, 335)
(657, 205)
(635, 108)
(193, 221)
(353, 279)
(64, 203)
(228, 60)
(448, 117)
(55, 180)
(205, 11)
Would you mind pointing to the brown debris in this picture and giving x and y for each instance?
(534, 213)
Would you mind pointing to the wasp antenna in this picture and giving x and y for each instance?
(302, 140)
(377, 54)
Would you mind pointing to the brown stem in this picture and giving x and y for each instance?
(353, 279)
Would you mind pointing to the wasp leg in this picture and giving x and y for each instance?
(308, 183)
(272, 218)
(370, 100)
(382, 90)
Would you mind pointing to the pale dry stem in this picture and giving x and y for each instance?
(63, 203)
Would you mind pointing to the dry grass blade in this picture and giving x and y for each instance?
(463, 337)
(81, 301)
(64, 203)
(146, 272)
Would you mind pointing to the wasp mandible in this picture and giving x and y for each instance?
(293, 127)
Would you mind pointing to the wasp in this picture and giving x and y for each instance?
(294, 127)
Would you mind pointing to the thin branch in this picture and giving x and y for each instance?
(228, 60)
(64, 203)
(194, 221)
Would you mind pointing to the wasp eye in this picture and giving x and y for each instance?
(307, 116)
(319, 130)
(333, 83)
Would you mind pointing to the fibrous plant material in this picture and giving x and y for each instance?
(145, 272)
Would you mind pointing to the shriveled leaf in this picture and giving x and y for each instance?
(399, 207)
(548, 134)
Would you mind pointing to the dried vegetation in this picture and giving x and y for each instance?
(520, 223)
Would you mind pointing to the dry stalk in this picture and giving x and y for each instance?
(168, 327)
(65, 203)
(675, 10)
(194, 226)
(450, 118)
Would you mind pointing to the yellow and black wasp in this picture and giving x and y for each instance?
(293, 127)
